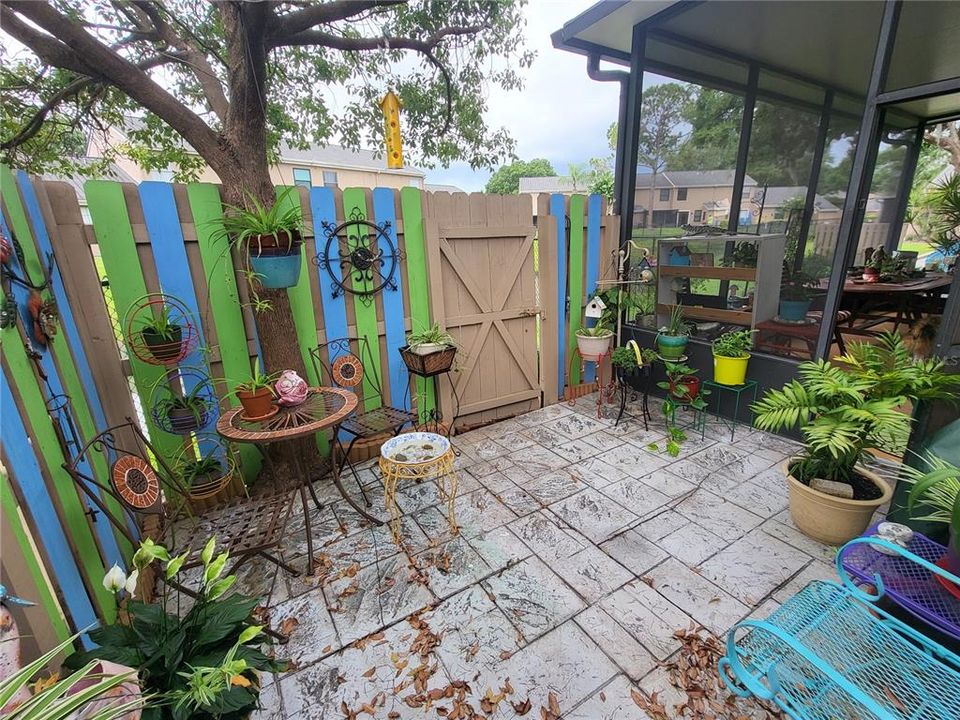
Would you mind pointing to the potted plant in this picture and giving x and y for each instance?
(429, 352)
(184, 414)
(938, 487)
(196, 473)
(682, 384)
(745, 254)
(270, 238)
(731, 354)
(162, 336)
(201, 662)
(672, 338)
(796, 294)
(871, 271)
(843, 411)
(256, 394)
(594, 341)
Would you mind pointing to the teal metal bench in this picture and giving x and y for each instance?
(831, 653)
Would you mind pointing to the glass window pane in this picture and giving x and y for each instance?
(301, 176)
(329, 178)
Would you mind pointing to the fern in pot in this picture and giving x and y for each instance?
(843, 411)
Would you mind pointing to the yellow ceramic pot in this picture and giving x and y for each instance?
(730, 371)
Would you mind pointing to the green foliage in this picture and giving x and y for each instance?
(598, 330)
(431, 336)
(193, 469)
(506, 180)
(84, 685)
(734, 344)
(843, 410)
(258, 380)
(244, 225)
(662, 123)
(624, 358)
(202, 665)
(676, 324)
(160, 325)
(194, 401)
(937, 487)
(940, 208)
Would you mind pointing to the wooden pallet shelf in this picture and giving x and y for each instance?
(693, 312)
(709, 271)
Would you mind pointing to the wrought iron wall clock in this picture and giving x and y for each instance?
(359, 256)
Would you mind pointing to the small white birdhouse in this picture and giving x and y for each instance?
(595, 308)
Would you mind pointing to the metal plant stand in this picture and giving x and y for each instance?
(642, 373)
(432, 421)
(717, 390)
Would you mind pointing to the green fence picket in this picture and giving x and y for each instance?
(415, 252)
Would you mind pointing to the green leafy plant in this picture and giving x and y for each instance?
(625, 358)
(160, 325)
(943, 205)
(433, 335)
(246, 225)
(198, 665)
(678, 391)
(676, 324)
(734, 344)
(938, 488)
(745, 254)
(194, 401)
(71, 696)
(192, 470)
(598, 330)
(797, 285)
(675, 439)
(258, 380)
(845, 409)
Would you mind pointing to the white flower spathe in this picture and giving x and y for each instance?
(115, 579)
(131, 585)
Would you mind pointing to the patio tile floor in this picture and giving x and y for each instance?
(581, 553)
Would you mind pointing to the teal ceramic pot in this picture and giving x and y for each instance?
(277, 271)
(671, 347)
(795, 310)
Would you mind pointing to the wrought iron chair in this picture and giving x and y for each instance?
(357, 372)
(145, 487)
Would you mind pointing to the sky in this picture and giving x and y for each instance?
(561, 114)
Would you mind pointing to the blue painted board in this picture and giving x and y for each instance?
(324, 209)
(558, 210)
(173, 271)
(384, 211)
(27, 475)
(593, 262)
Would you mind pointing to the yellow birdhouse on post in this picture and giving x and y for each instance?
(391, 123)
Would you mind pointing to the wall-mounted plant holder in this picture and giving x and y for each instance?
(159, 330)
(184, 404)
(208, 478)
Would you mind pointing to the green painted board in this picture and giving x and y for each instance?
(45, 598)
(415, 250)
(118, 249)
(575, 275)
(63, 358)
(207, 211)
(355, 205)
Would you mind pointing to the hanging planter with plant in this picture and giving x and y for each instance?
(211, 479)
(184, 405)
(673, 337)
(159, 330)
(630, 360)
(731, 355)
(429, 352)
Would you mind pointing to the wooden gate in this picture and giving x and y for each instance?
(481, 257)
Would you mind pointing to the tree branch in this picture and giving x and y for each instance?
(108, 66)
(49, 49)
(280, 27)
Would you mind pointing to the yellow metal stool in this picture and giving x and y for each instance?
(418, 456)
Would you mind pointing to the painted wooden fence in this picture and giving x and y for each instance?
(159, 237)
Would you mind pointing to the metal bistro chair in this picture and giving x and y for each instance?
(356, 372)
(245, 527)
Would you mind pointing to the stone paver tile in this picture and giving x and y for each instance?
(545, 414)
(788, 532)
(726, 519)
(543, 534)
(595, 472)
(611, 702)
(536, 460)
(532, 597)
(668, 483)
(760, 498)
(517, 499)
(480, 511)
(647, 616)
(494, 482)
(718, 455)
(314, 634)
(692, 544)
(499, 547)
(593, 574)
(634, 551)
(574, 426)
(696, 596)
(325, 525)
(375, 597)
(690, 471)
(640, 437)
(565, 662)
(816, 570)
(544, 436)
(452, 566)
(632, 657)
(554, 485)
(748, 466)
(483, 449)
(270, 704)
(754, 566)
(577, 450)
(636, 496)
(659, 526)
(414, 496)
(670, 697)
(764, 610)
(594, 514)
(483, 468)
(635, 461)
(256, 578)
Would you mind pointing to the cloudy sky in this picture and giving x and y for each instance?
(561, 114)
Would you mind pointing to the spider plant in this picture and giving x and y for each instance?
(192, 470)
(844, 410)
(676, 324)
(160, 327)
(193, 401)
(431, 336)
(258, 380)
(248, 226)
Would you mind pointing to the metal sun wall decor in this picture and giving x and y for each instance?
(366, 254)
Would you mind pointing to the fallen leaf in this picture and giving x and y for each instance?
(288, 625)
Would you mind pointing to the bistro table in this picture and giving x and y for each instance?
(862, 299)
(324, 408)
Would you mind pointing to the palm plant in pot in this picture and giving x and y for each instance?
(938, 488)
(731, 355)
(672, 338)
(843, 411)
(162, 336)
(429, 352)
(270, 238)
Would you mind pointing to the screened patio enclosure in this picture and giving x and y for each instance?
(819, 111)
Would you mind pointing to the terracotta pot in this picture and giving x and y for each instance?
(257, 404)
(686, 388)
(829, 519)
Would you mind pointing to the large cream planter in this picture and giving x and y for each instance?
(829, 519)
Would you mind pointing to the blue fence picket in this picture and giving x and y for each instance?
(173, 271)
(384, 211)
(29, 478)
(558, 210)
(594, 206)
(323, 208)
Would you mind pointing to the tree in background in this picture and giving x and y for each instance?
(714, 120)
(506, 180)
(230, 81)
(661, 128)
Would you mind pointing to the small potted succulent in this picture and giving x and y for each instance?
(429, 352)
(271, 238)
(594, 341)
(183, 414)
(673, 337)
(162, 336)
(731, 355)
(938, 488)
(256, 394)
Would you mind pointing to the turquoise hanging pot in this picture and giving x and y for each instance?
(277, 271)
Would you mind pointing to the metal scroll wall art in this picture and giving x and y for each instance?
(39, 312)
(359, 256)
